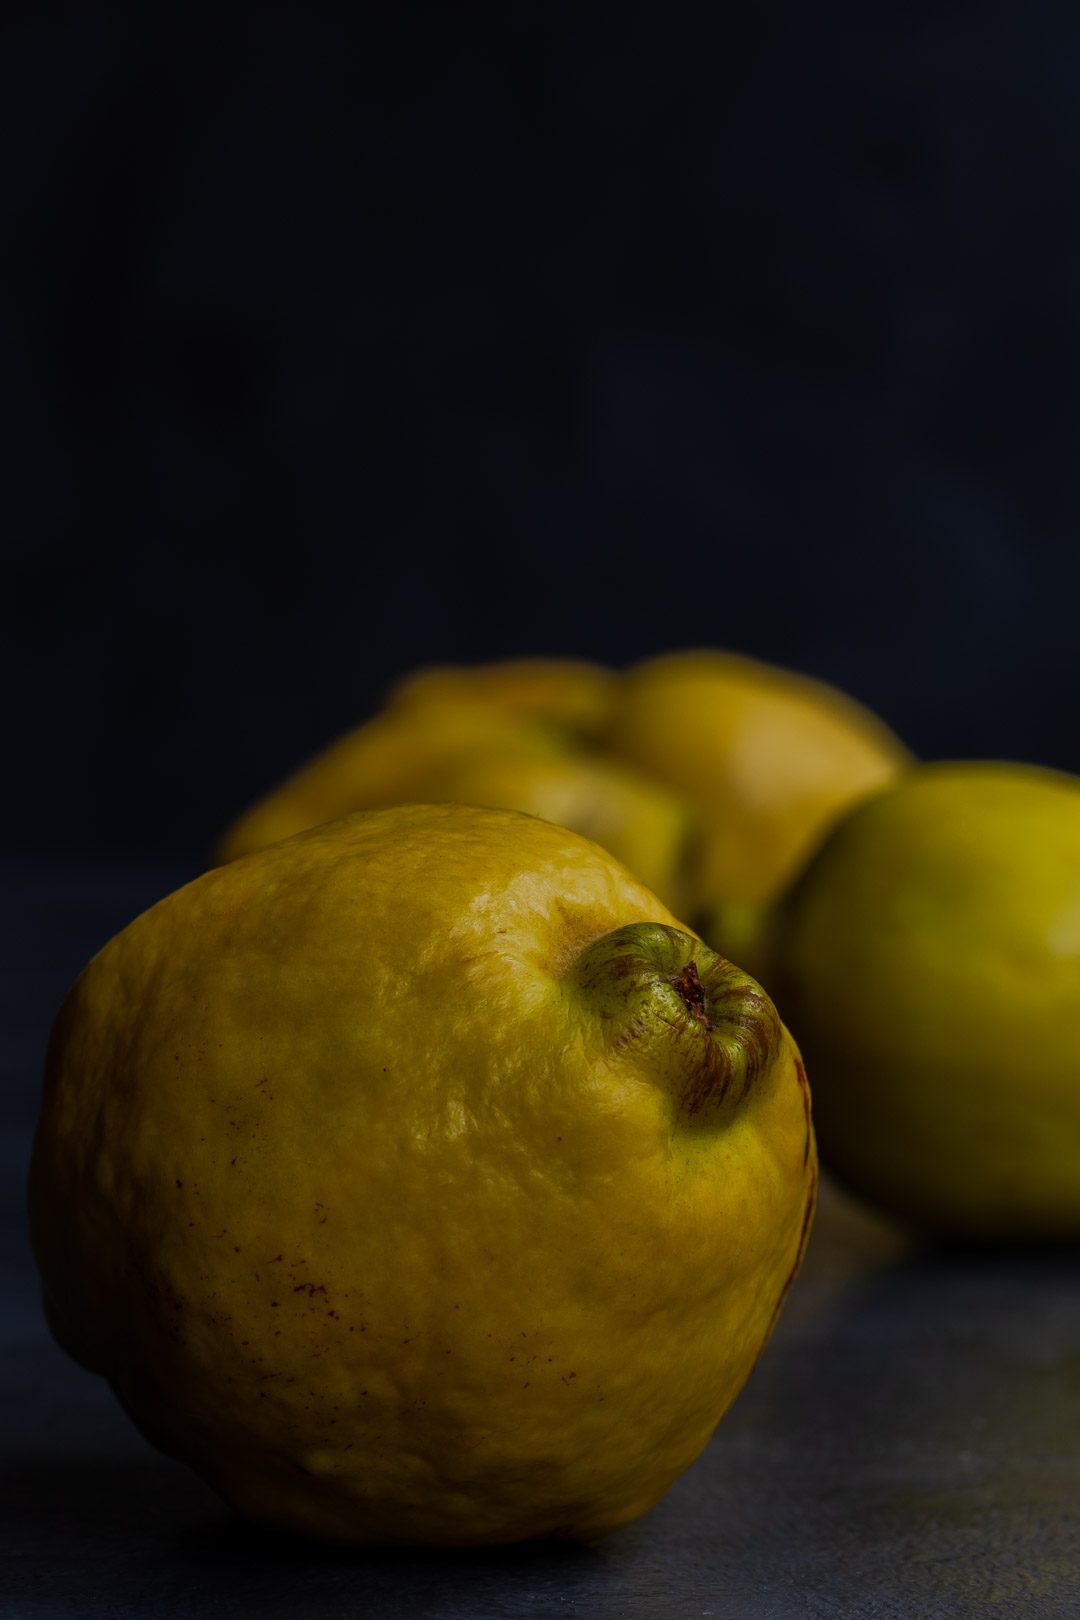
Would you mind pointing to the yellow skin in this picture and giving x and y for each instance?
(441, 742)
(570, 695)
(637, 820)
(392, 759)
(716, 777)
(407, 1181)
(930, 959)
(771, 758)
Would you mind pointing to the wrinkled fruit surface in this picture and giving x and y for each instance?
(418, 1179)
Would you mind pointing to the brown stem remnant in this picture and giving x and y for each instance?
(692, 992)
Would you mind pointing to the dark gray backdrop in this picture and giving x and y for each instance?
(455, 332)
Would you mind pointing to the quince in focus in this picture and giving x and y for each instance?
(419, 1179)
(929, 957)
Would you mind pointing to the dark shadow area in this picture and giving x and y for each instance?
(926, 1425)
(140, 1535)
(346, 344)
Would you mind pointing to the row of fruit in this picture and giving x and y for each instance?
(416, 1174)
(929, 959)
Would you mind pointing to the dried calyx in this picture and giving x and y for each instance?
(691, 1015)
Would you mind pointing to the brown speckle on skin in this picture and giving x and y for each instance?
(635, 1028)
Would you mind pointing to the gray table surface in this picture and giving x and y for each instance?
(909, 1444)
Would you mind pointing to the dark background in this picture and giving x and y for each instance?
(454, 332)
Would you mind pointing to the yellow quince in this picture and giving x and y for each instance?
(570, 695)
(418, 1179)
(770, 759)
(929, 957)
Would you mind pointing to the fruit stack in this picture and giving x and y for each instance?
(416, 1174)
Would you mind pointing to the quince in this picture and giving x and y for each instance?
(449, 747)
(710, 775)
(769, 757)
(570, 695)
(418, 1179)
(929, 957)
(390, 759)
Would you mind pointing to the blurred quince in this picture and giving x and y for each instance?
(570, 695)
(770, 758)
(710, 775)
(929, 958)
